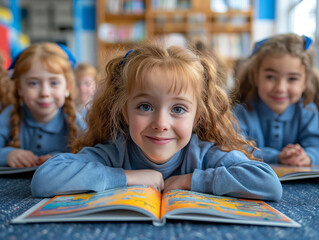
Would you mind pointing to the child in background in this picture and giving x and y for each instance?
(85, 77)
(277, 89)
(159, 119)
(42, 121)
(6, 87)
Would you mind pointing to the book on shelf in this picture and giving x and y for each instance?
(231, 45)
(287, 173)
(112, 33)
(142, 203)
(11, 170)
(124, 6)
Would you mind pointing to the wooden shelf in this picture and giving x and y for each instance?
(159, 22)
(126, 17)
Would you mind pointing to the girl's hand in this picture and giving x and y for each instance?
(294, 154)
(147, 177)
(22, 158)
(178, 182)
(290, 150)
(43, 158)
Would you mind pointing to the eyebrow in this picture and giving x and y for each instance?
(141, 95)
(290, 73)
(37, 77)
(33, 77)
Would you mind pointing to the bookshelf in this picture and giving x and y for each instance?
(227, 28)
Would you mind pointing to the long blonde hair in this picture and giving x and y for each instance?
(55, 60)
(246, 90)
(185, 70)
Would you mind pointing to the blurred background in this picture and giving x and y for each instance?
(92, 28)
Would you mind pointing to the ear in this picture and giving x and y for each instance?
(67, 91)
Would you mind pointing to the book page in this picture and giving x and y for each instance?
(10, 170)
(179, 201)
(282, 170)
(142, 197)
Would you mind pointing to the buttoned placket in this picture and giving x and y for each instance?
(276, 136)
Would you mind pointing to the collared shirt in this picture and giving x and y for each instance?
(102, 167)
(272, 132)
(40, 138)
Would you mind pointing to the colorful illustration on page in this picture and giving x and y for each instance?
(142, 197)
(222, 206)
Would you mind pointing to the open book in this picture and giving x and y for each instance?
(10, 170)
(142, 203)
(286, 173)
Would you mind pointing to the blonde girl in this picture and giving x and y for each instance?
(85, 78)
(160, 119)
(42, 121)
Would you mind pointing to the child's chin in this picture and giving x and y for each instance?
(158, 161)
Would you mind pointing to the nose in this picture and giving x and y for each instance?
(161, 121)
(281, 85)
(45, 90)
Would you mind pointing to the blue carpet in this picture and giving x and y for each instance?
(300, 202)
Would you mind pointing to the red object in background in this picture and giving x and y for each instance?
(4, 45)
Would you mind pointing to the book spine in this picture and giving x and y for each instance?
(159, 223)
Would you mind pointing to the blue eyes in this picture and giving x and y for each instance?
(53, 83)
(273, 78)
(33, 84)
(178, 110)
(146, 108)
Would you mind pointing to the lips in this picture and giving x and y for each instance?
(279, 99)
(44, 104)
(160, 140)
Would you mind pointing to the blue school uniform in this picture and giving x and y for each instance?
(272, 132)
(102, 167)
(40, 138)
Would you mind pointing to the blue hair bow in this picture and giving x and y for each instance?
(257, 46)
(68, 52)
(128, 52)
(71, 57)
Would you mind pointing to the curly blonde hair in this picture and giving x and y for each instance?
(186, 71)
(54, 60)
(245, 88)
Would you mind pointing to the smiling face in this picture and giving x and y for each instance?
(160, 120)
(280, 81)
(43, 92)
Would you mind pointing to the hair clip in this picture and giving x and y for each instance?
(128, 52)
(71, 58)
(258, 45)
(308, 42)
(14, 59)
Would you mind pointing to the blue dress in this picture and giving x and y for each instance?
(272, 132)
(102, 167)
(40, 138)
